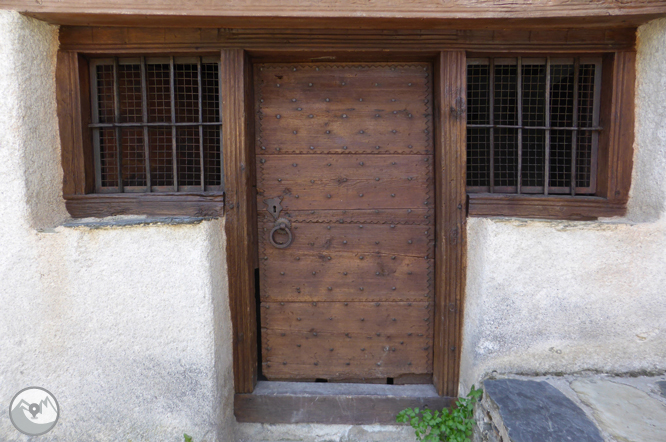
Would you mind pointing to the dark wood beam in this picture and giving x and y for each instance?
(240, 228)
(422, 14)
(267, 41)
(451, 261)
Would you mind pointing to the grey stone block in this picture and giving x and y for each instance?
(662, 387)
(537, 412)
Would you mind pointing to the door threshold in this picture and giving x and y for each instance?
(333, 403)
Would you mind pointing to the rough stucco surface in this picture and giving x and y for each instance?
(565, 297)
(128, 326)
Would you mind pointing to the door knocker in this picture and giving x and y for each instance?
(284, 225)
(281, 224)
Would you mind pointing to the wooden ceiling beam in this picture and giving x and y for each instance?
(331, 44)
(380, 14)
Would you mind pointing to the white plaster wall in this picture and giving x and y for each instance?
(564, 297)
(128, 327)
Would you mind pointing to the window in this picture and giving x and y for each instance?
(550, 135)
(156, 125)
(533, 125)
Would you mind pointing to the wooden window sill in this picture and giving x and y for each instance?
(331, 403)
(544, 207)
(151, 204)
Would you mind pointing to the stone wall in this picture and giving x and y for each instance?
(564, 297)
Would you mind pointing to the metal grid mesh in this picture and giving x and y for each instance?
(561, 95)
(534, 94)
(478, 157)
(212, 157)
(134, 159)
(506, 157)
(187, 93)
(189, 159)
(159, 93)
(506, 94)
(534, 143)
(548, 134)
(478, 94)
(184, 101)
(560, 161)
(161, 157)
(105, 110)
(129, 80)
(585, 119)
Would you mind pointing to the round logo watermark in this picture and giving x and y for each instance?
(34, 411)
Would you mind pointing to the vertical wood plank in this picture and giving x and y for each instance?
(621, 128)
(450, 160)
(82, 118)
(65, 121)
(238, 150)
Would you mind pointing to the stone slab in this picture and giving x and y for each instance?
(537, 412)
(626, 413)
(662, 388)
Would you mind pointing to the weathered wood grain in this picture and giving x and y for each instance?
(380, 14)
(332, 340)
(450, 261)
(345, 140)
(360, 283)
(238, 153)
(156, 204)
(326, 44)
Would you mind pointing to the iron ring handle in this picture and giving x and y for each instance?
(287, 243)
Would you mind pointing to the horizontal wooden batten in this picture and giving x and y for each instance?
(166, 204)
(153, 40)
(544, 207)
(335, 13)
(326, 403)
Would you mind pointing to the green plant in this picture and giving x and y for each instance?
(187, 437)
(454, 425)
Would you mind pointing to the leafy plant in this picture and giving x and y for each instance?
(454, 425)
(187, 437)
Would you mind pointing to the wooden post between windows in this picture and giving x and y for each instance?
(238, 152)
(450, 262)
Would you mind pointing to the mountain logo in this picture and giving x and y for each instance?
(34, 411)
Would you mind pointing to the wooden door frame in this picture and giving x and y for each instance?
(446, 49)
(240, 224)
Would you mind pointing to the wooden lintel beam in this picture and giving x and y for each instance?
(415, 14)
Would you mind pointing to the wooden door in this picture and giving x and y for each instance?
(345, 221)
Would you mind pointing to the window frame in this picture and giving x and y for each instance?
(614, 155)
(74, 75)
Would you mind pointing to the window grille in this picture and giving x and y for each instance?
(533, 125)
(156, 124)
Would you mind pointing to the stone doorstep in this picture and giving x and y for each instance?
(594, 408)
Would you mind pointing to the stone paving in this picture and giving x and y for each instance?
(592, 408)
